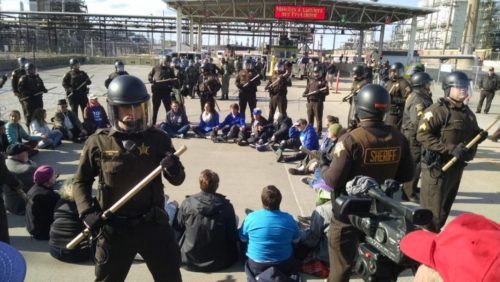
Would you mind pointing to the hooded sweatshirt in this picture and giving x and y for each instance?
(209, 241)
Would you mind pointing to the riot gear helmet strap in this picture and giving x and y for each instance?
(128, 104)
(372, 102)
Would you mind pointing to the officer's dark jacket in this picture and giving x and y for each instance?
(490, 83)
(444, 126)
(279, 88)
(74, 79)
(373, 149)
(315, 85)
(29, 85)
(399, 91)
(244, 77)
(14, 79)
(357, 85)
(40, 214)
(161, 73)
(122, 170)
(415, 105)
(112, 76)
(209, 241)
(208, 84)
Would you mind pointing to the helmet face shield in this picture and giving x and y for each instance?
(130, 118)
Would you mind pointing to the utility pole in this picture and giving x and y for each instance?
(470, 30)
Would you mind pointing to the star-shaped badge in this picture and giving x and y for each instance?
(143, 149)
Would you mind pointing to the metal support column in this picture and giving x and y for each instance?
(411, 44)
(381, 40)
(179, 30)
(191, 34)
(359, 52)
(200, 39)
(218, 37)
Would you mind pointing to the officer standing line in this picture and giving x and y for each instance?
(247, 81)
(162, 78)
(17, 73)
(30, 89)
(207, 86)
(278, 90)
(415, 105)
(119, 70)
(76, 82)
(399, 89)
(316, 91)
(226, 76)
(192, 76)
(488, 85)
(359, 80)
(141, 225)
(443, 132)
(353, 155)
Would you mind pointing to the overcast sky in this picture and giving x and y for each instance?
(158, 7)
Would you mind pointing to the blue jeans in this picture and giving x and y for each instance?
(173, 130)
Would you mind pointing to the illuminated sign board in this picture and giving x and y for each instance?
(299, 12)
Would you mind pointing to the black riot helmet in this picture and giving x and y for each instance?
(318, 71)
(421, 79)
(358, 72)
(397, 70)
(206, 68)
(22, 61)
(74, 63)
(372, 102)
(279, 67)
(30, 68)
(456, 79)
(166, 61)
(119, 66)
(128, 104)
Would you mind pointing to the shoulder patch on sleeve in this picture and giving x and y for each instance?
(428, 115)
(423, 127)
(419, 108)
(339, 147)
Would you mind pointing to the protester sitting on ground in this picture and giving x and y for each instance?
(16, 133)
(23, 168)
(66, 226)
(176, 123)
(233, 126)
(40, 211)
(13, 183)
(281, 126)
(270, 233)
(260, 130)
(4, 141)
(51, 138)
(312, 249)
(209, 119)
(467, 249)
(208, 222)
(307, 138)
(68, 123)
(94, 115)
(310, 162)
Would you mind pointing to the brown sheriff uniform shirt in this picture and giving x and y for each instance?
(122, 170)
(444, 126)
(315, 85)
(373, 149)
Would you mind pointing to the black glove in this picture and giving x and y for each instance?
(484, 135)
(171, 163)
(45, 90)
(92, 220)
(460, 151)
(323, 159)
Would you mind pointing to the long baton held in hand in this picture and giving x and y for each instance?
(38, 94)
(469, 145)
(316, 91)
(84, 83)
(163, 80)
(116, 206)
(246, 84)
(278, 80)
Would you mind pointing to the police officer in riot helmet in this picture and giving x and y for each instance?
(247, 81)
(141, 226)
(162, 79)
(207, 86)
(16, 74)
(399, 89)
(443, 131)
(416, 103)
(277, 86)
(31, 89)
(119, 70)
(76, 82)
(356, 154)
(359, 81)
(315, 93)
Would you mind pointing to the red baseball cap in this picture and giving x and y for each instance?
(468, 249)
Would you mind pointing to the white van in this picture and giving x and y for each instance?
(220, 54)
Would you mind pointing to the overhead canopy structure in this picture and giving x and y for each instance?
(345, 14)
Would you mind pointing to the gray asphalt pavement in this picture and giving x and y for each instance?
(242, 170)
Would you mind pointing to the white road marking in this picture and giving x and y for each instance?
(293, 191)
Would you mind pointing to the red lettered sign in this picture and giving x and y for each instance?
(299, 12)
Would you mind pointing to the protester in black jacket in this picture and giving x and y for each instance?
(209, 242)
(40, 212)
(282, 124)
(66, 226)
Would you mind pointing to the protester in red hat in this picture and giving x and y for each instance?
(40, 210)
(468, 249)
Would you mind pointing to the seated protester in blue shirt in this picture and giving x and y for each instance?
(233, 126)
(307, 138)
(176, 123)
(208, 225)
(270, 233)
(209, 119)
